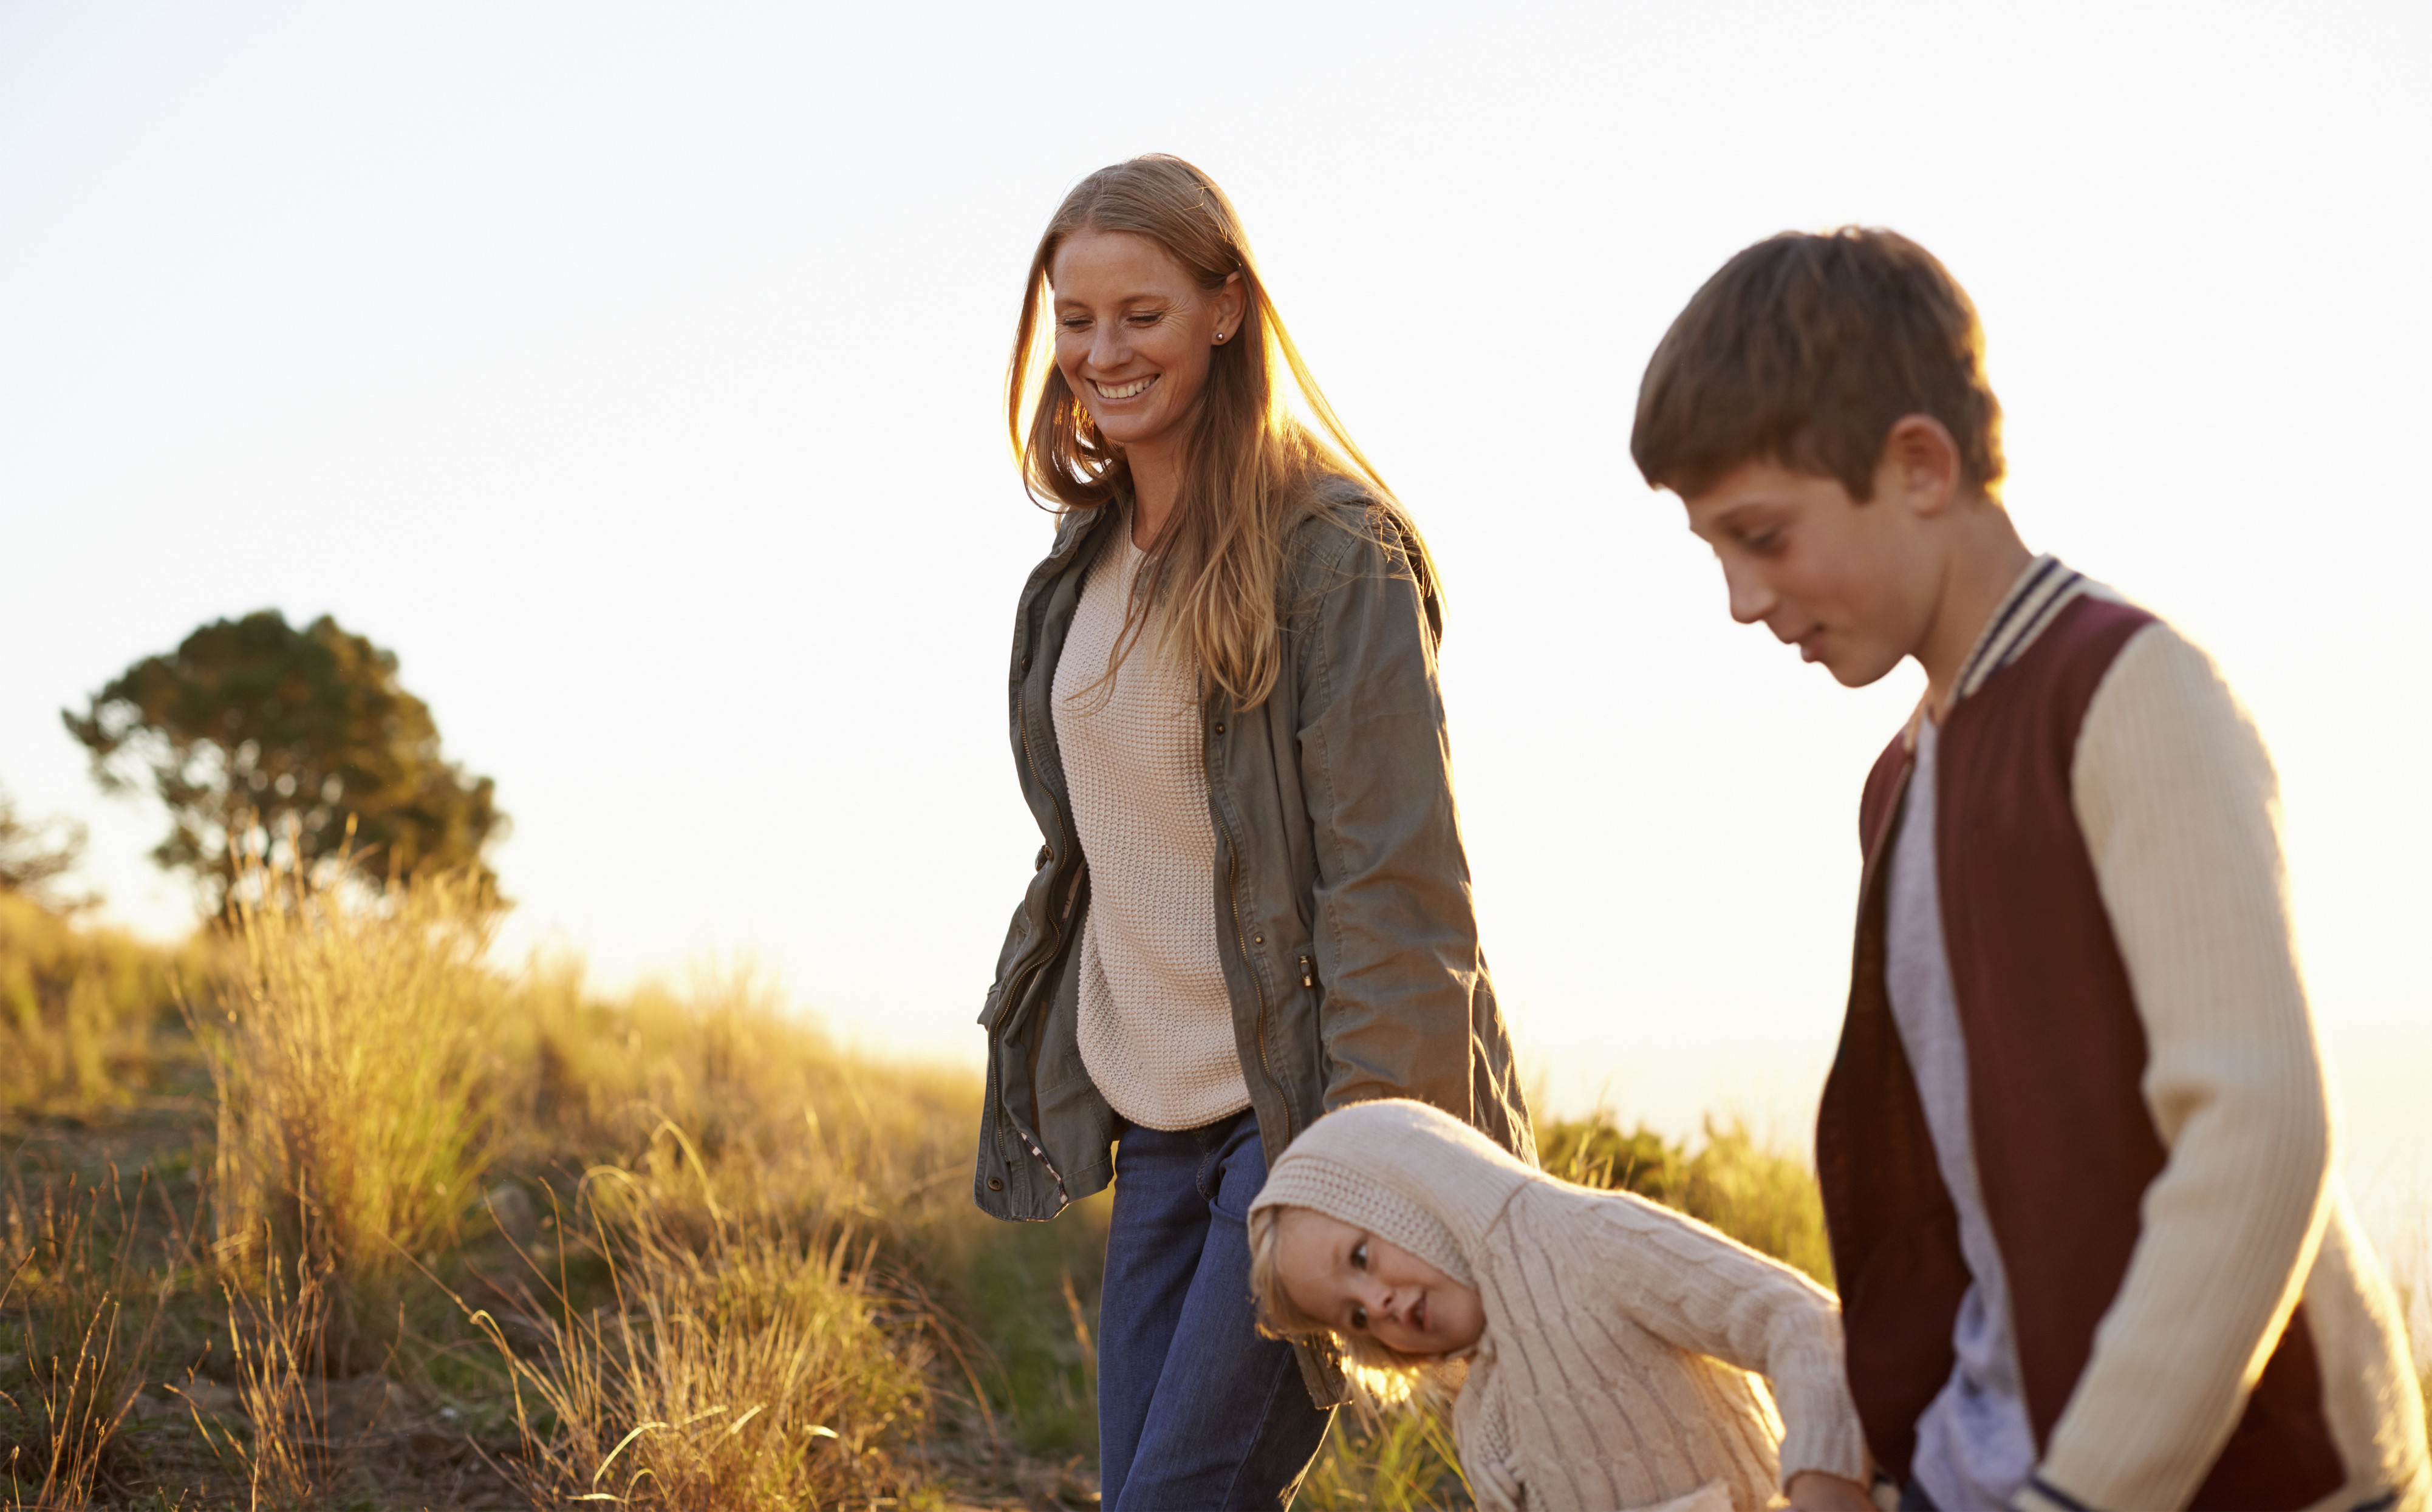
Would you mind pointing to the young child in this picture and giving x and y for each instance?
(1606, 1339)
(2075, 1146)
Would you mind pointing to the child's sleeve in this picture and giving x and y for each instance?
(2180, 809)
(1700, 1291)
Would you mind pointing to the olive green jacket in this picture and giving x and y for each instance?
(1343, 914)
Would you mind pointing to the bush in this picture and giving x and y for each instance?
(1766, 1200)
(348, 1055)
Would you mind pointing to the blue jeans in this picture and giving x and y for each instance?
(1195, 1409)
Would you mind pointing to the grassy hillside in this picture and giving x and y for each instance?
(332, 1212)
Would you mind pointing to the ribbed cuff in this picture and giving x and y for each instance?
(1820, 1427)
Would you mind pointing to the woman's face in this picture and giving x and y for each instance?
(1356, 1283)
(1135, 333)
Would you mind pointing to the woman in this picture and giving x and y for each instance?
(1252, 905)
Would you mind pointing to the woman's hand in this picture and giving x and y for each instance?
(1815, 1491)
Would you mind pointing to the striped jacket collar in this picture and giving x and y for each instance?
(2042, 591)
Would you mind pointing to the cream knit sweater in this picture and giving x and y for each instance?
(1157, 1021)
(1614, 1370)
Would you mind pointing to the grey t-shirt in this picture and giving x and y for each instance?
(1974, 1445)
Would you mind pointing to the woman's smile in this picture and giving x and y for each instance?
(1135, 336)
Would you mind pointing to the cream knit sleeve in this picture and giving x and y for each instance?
(1700, 1291)
(2180, 810)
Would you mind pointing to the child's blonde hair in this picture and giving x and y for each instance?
(1380, 1375)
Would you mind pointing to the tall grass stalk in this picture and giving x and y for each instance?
(70, 1280)
(348, 1058)
(282, 1458)
(751, 1365)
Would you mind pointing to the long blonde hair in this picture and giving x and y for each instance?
(1250, 468)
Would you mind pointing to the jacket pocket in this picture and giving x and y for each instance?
(992, 1010)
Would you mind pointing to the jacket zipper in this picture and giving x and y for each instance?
(1055, 942)
(1308, 972)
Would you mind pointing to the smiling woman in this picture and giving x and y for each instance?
(1136, 335)
(1252, 905)
(1147, 276)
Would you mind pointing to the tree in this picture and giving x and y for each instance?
(35, 854)
(265, 740)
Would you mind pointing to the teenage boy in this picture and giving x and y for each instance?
(2075, 1146)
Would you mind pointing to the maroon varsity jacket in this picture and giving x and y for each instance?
(2065, 1144)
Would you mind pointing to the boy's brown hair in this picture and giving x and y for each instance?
(1803, 350)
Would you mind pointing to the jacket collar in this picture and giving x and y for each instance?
(1075, 525)
(2035, 600)
(2042, 591)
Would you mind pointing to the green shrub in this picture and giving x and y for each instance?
(1766, 1200)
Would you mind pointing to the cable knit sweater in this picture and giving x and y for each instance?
(1614, 1370)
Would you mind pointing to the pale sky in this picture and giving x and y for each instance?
(634, 373)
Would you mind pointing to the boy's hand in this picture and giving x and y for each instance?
(1815, 1491)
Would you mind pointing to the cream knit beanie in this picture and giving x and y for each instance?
(1411, 1174)
(1336, 1191)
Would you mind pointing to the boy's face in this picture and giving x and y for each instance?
(1851, 585)
(1357, 1282)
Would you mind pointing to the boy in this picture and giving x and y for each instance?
(2075, 1148)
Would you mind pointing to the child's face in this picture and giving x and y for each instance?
(1853, 585)
(1357, 1282)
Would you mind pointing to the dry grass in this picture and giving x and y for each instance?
(764, 1342)
(774, 1115)
(80, 1012)
(282, 1457)
(742, 1362)
(86, 1312)
(1399, 1461)
(349, 1055)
